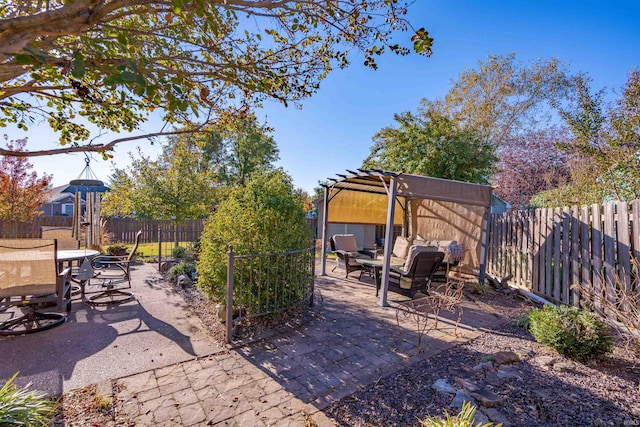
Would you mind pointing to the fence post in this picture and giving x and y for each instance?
(229, 319)
(159, 248)
(313, 274)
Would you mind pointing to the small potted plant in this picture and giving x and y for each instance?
(117, 249)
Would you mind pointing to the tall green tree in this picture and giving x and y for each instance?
(433, 145)
(111, 63)
(503, 96)
(118, 201)
(177, 186)
(22, 193)
(244, 148)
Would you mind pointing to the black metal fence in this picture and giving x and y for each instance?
(263, 284)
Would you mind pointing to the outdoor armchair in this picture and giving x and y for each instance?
(115, 273)
(29, 280)
(346, 250)
(417, 273)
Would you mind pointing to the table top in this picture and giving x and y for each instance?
(375, 262)
(76, 254)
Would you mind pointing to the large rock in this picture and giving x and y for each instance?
(184, 281)
(467, 384)
(484, 366)
(497, 417)
(546, 361)
(459, 399)
(443, 386)
(486, 397)
(506, 357)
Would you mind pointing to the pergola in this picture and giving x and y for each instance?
(429, 207)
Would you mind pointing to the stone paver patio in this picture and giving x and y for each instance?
(290, 378)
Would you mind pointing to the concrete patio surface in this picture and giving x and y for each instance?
(99, 343)
(164, 370)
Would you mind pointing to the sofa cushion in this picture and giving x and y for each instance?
(413, 251)
(401, 247)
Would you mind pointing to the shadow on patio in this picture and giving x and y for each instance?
(353, 341)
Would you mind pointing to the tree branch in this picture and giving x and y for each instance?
(94, 148)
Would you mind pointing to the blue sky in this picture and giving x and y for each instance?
(333, 130)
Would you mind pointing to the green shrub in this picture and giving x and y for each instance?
(182, 267)
(19, 406)
(266, 216)
(572, 332)
(522, 321)
(463, 419)
(179, 252)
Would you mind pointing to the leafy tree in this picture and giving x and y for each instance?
(607, 138)
(119, 200)
(265, 216)
(112, 63)
(245, 147)
(176, 186)
(531, 163)
(431, 144)
(192, 174)
(22, 193)
(318, 192)
(502, 96)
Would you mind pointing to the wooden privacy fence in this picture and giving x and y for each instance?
(123, 230)
(547, 251)
(32, 229)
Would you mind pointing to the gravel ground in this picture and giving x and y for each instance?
(542, 389)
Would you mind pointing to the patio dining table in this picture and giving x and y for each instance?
(68, 256)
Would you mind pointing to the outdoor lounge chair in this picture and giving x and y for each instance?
(29, 280)
(113, 271)
(63, 236)
(417, 273)
(346, 250)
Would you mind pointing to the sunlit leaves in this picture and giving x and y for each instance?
(116, 66)
(430, 144)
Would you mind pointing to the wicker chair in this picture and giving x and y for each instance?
(113, 270)
(29, 280)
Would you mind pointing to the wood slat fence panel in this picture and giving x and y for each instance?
(575, 255)
(32, 230)
(566, 253)
(556, 253)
